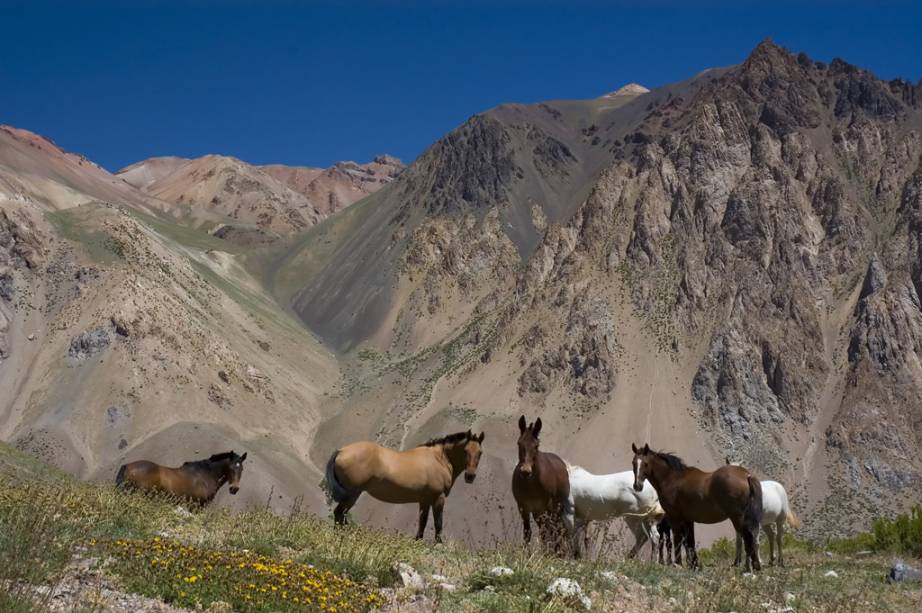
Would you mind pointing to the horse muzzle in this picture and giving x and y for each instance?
(234, 489)
(469, 477)
(638, 487)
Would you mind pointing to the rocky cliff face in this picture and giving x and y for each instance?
(755, 228)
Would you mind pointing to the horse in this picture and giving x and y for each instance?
(424, 475)
(197, 481)
(776, 513)
(690, 495)
(541, 487)
(604, 497)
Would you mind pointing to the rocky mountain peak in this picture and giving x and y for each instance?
(631, 89)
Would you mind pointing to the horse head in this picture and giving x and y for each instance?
(234, 471)
(528, 445)
(640, 465)
(473, 450)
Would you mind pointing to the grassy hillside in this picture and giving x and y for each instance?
(125, 544)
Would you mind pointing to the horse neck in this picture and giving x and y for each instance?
(218, 471)
(661, 474)
(455, 457)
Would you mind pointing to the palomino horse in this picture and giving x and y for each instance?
(776, 513)
(604, 497)
(423, 474)
(690, 495)
(541, 486)
(196, 481)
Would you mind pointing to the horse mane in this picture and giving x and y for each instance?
(218, 457)
(457, 437)
(672, 460)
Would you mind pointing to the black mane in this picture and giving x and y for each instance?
(218, 457)
(672, 460)
(457, 437)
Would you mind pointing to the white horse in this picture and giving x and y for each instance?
(604, 497)
(776, 512)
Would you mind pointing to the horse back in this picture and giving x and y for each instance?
(391, 475)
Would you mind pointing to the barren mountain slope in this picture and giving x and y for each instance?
(250, 204)
(34, 169)
(143, 173)
(125, 336)
(341, 184)
(723, 267)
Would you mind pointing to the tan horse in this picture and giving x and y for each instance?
(196, 481)
(541, 487)
(689, 495)
(423, 475)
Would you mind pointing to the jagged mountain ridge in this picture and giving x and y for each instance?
(754, 230)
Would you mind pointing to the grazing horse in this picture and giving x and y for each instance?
(604, 497)
(541, 486)
(196, 481)
(776, 513)
(690, 495)
(423, 475)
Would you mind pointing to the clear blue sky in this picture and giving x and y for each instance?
(311, 83)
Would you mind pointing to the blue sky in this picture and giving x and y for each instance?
(311, 83)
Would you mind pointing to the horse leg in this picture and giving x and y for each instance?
(568, 518)
(750, 535)
(635, 525)
(780, 536)
(649, 529)
(678, 541)
(739, 550)
(690, 547)
(423, 518)
(526, 524)
(581, 535)
(770, 531)
(437, 509)
(339, 513)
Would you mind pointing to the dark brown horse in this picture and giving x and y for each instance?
(689, 495)
(424, 474)
(197, 481)
(541, 486)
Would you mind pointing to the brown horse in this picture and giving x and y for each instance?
(197, 481)
(690, 495)
(423, 475)
(541, 486)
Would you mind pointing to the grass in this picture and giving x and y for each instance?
(258, 561)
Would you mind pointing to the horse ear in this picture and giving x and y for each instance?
(646, 448)
(634, 449)
(522, 424)
(537, 427)
(727, 459)
(244, 456)
(480, 440)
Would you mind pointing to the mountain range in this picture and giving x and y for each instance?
(728, 266)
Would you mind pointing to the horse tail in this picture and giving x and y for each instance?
(753, 512)
(337, 491)
(792, 519)
(120, 477)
